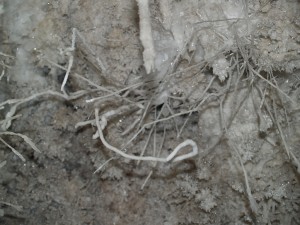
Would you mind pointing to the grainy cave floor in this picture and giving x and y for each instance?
(59, 186)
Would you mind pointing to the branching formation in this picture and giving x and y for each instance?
(14, 104)
(151, 104)
(127, 99)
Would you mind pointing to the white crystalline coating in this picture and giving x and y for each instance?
(206, 200)
(233, 9)
(220, 68)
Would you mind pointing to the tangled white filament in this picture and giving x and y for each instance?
(171, 157)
